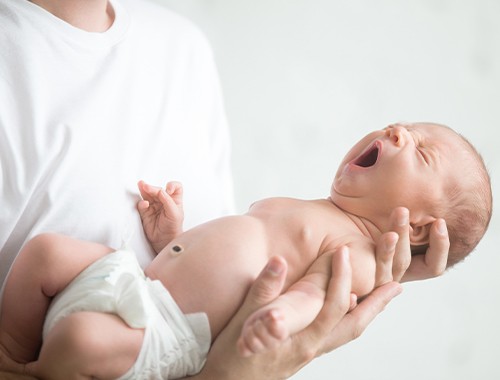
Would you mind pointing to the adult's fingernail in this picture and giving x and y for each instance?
(345, 253)
(391, 241)
(398, 290)
(402, 218)
(441, 227)
(274, 267)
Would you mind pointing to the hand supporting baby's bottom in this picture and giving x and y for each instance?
(292, 311)
(8, 364)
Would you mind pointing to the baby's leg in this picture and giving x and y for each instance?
(44, 267)
(291, 312)
(88, 345)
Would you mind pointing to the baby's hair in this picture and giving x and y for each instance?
(469, 206)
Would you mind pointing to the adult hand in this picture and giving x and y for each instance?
(394, 259)
(334, 326)
(14, 376)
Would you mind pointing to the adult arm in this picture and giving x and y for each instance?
(14, 376)
(336, 324)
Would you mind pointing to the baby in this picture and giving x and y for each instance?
(103, 318)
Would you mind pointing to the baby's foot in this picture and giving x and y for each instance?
(264, 330)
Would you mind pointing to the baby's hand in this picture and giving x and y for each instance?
(161, 212)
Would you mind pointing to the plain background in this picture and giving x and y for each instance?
(305, 79)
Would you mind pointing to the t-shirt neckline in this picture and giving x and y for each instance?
(91, 40)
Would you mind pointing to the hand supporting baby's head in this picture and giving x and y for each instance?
(429, 169)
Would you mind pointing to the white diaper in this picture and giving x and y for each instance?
(175, 345)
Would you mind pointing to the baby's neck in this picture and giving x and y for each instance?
(366, 227)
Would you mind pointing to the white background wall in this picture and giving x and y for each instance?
(304, 79)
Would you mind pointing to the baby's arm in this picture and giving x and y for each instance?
(161, 213)
(290, 312)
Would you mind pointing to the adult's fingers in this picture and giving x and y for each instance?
(436, 256)
(402, 257)
(337, 304)
(433, 262)
(223, 361)
(384, 256)
(266, 287)
(356, 321)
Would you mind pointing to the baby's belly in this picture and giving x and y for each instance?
(230, 241)
(210, 267)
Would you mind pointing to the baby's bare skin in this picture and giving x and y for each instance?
(303, 232)
(299, 231)
(210, 268)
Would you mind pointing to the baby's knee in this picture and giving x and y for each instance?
(46, 250)
(94, 343)
(44, 243)
(67, 347)
(73, 335)
(37, 255)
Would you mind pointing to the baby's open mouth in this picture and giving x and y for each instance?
(369, 157)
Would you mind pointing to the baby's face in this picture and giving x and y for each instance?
(406, 165)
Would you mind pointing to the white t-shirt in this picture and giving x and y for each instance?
(84, 116)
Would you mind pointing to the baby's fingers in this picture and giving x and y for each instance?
(167, 201)
(147, 191)
(174, 189)
(142, 206)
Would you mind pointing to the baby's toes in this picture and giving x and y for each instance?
(274, 324)
(249, 342)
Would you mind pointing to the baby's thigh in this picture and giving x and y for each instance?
(89, 344)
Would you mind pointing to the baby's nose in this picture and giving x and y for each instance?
(396, 134)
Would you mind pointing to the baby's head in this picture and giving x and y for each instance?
(429, 169)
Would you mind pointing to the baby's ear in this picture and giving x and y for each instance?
(419, 231)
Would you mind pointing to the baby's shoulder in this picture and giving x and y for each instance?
(276, 204)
